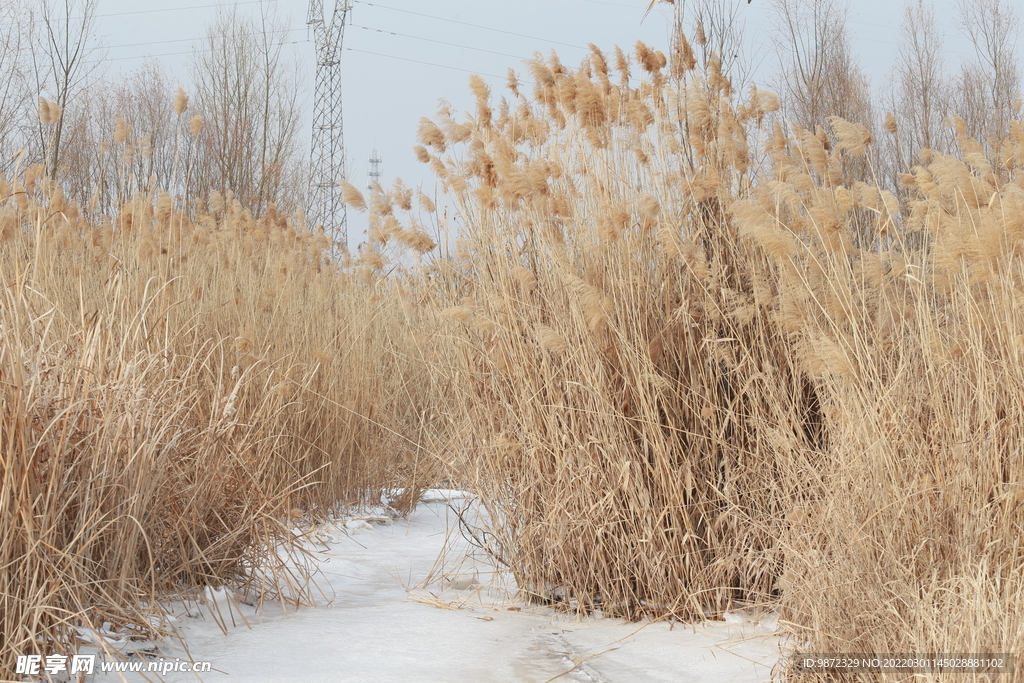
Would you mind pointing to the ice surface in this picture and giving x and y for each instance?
(390, 610)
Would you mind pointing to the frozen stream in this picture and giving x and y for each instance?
(376, 622)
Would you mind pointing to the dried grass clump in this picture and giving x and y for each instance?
(353, 197)
(914, 345)
(610, 309)
(700, 365)
(171, 389)
(687, 362)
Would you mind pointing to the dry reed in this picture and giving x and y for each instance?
(687, 355)
(173, 390)
(700, 363)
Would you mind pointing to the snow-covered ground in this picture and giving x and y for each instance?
(389, 610)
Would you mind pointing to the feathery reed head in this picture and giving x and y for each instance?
(352, 196)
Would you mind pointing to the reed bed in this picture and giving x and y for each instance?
(912, 539)
(703, 359)
(627, 401)
(691, 358)
(176, 390)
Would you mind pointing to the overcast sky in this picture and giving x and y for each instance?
(403, 55)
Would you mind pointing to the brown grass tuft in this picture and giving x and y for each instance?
(352, 196)
(430, 135)
(180, 102)
(688, 378)
(159, 415)
(853, 138)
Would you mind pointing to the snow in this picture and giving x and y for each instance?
(410, 600)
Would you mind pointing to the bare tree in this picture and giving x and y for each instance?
(990, 84)
(248, 92)
(716, 27)
(14, 92)
(818, 76)
(128, 134)
(64, 58)
(923, 93)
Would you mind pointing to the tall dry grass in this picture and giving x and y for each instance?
(689, 358)
(173, 391)
(700, 363)
(627, 402)
(913, 539)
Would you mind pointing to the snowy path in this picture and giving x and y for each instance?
(374, 629)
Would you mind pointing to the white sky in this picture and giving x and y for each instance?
(385, 96)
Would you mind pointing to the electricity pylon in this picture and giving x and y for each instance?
(327, 154)
(375, 173)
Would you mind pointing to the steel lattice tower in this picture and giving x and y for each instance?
(375, 172)
(327, 154)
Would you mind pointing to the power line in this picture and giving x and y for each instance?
(182, 52)
(463, 23)
(174, 9)
(417, 61)
(615, 4)
(439, 42)
(349, 49)
(368, 28)
(162, 54)
(193, 40)
(295, 30)
(254, 2)
(402, 35)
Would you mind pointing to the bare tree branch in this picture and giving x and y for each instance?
(990, 84)
(248, 92)
(63, 60)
